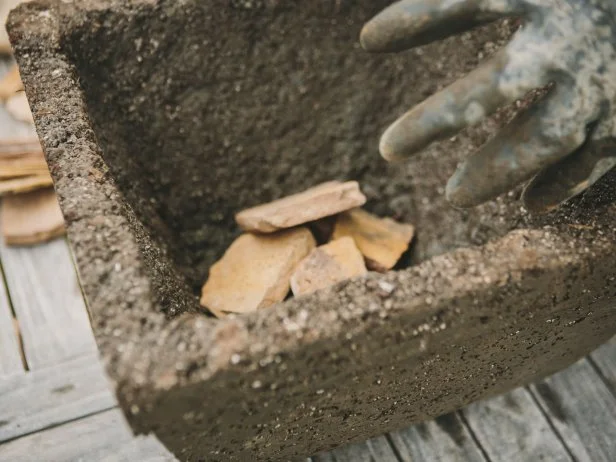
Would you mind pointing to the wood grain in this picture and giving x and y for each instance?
(605, 360)
(446, 439)
(376, 449)
(512, 427)
(51, 396)
(48, 303)
(10, 357)
(583, 411)
(101, 437)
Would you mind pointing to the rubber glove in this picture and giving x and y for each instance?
(561, 145)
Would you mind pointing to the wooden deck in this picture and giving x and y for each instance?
(55, 404)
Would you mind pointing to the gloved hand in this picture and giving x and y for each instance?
(563, 144)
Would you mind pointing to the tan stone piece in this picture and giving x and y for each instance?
(327, 265)
(10, 83)
(31, 218)
(312, 204)
(24, 184)
(381, 240)
(255, 270)
(17, 105)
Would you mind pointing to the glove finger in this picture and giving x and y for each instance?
(541, 136)
(411, 23)
(465, 102)
(571, 176)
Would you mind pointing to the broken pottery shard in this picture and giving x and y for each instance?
(31, 218)
(381, 240)
(24, 184)
(312, 204)
(254, 272)
(26, 165)
(327, 265)
(10, 83)
(17, 105)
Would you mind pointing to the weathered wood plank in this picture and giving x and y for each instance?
(512, 427)
(445, 439)
(605, 359)
(368, 451)
(10, 360)
(48, 303)
(101, 437)
(10, 356)
(51, 396)
(583, 411)
(378, 448)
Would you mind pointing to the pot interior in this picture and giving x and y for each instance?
(204, 108)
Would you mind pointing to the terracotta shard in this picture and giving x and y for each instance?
(31, 218)
(25, 184)
(10, 83)
(381, 240)
(26, 165)
(255, 270)
(327, 265)
(312, 204)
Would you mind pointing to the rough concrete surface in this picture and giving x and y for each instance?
(160, 119)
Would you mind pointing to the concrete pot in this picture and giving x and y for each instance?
(161, 118)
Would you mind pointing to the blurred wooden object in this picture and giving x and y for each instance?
(24, 184)
(31, 218)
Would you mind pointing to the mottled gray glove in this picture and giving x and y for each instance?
(563, 144)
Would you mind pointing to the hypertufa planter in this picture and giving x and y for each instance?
(161, 119)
